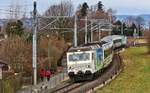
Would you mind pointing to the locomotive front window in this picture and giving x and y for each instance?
(79, 57)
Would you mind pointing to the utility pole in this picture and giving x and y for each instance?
(49, 58)
(34, 43)
(110, 32)
(138, 31)
(135, 36)
(91, 31)
(86, 30)
(75, 32)
(99, 34)
(121, 28)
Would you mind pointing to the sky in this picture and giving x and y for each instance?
(123, 7)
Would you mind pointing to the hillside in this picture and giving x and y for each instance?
(146, 17)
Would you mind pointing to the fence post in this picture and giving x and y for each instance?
(1, 86)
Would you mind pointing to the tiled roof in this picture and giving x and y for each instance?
(3, 62)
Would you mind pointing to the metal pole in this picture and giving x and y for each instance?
(49, 59)
(99, 32)
(49, 63)
(138, 32)
(34, 44)
(86, 30)
(121, 28)
(91, 31)
(110, 30)
(75, 32)
(135, 35)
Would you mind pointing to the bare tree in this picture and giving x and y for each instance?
(111, 13)
(130, 20)
(139, 22)
(65, 8)
(93, 8)
(15, 9)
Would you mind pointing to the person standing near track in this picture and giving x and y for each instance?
(48, 74)
(42, 74)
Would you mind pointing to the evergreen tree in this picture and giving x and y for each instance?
(19, 29)
(124, 26)
(118, 25)
(118, 22)
(84, 9)
(15, 28)
(140, 22)
(100, 6)
(133, 26)
(117, 28)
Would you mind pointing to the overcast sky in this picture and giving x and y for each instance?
(123, 7)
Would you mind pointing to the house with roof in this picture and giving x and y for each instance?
(4, 67)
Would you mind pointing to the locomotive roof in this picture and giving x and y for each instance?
(86, 47)
(94, 43)
(111, 38)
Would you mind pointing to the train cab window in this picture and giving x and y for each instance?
(79, 57)
(85, 56)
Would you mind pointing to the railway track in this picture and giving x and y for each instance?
(65, 88)
(106, 76)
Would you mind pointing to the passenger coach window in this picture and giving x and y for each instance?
(107, 52)
(116, 41)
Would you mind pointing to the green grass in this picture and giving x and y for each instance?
(135, 77)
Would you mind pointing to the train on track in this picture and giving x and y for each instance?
(87, 61)
(118, 41)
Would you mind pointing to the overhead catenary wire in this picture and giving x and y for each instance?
(17, 5)
(4, 10)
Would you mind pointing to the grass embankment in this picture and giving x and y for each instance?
(135, 77)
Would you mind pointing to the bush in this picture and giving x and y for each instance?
(11, 84)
